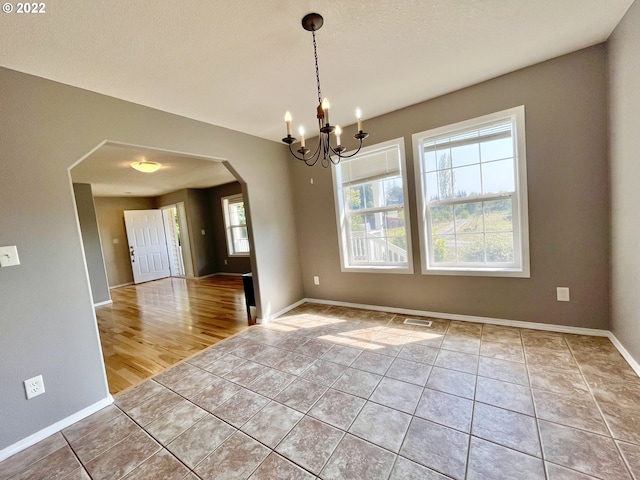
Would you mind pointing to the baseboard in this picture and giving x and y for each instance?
(470, 318)
(279, 313)
(100, 304)
(228, 274)
(625, 353)
(55, 428)
(204, 276)
(121, 285)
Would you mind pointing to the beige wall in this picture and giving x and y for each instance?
(565, 102)
(46, 127)
(624, 98)
(110, 214)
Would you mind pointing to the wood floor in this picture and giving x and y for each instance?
(154, 325)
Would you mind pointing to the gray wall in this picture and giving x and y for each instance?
(47, 322)
(234, 264)
(566, 126)
(624, 98)
(91, 242)
(110, 214)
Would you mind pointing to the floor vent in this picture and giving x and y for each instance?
(415, 321)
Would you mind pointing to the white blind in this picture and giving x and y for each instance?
(486, 133)
(371, 166)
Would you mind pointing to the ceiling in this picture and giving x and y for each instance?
(109, 172)
(242, 64)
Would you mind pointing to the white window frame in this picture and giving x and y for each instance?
(342, 217)
(520, 218)
(228, 227)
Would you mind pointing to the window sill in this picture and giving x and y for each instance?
(478, 272)
(377, 269)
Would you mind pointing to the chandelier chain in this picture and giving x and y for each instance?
(315, 54)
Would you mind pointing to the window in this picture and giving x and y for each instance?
(236, 225)
(472, 195)
(373, 222)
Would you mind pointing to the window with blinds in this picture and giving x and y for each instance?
(471, 179)
(370, 191)
(235, 225)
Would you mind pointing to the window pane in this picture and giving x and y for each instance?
(430, 163)
(466, 181)
(357, 223)
(354, 197)
(442, 220)
(358, 246)
(431, 181)
(465, 155)
(498, 177)
(236, 214)
(444, 248)
(395, 230)
(468, 217)
(496, 149)
(500, 247)
(498, 215)
(393, 194)
(470, 248)
(370, 196)
(445, 184)
(240, 239)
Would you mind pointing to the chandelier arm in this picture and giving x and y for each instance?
(313, 158)
(341, 156)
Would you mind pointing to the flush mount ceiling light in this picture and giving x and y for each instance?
(312, 23)
(145, 166)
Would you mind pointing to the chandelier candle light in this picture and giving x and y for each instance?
(329, 154)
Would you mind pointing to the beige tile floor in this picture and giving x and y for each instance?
(337, 393)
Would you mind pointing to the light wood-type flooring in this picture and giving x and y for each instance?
(152, 326)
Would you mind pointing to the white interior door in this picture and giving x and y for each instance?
(147, 245)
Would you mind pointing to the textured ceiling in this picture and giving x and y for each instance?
(241, 64)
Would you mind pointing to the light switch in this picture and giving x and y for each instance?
(9, 256)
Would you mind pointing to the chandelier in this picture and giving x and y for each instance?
(325, 152)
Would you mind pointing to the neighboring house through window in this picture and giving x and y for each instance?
(472, 195)
(371, 210)
(236, 225)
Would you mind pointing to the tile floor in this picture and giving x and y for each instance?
(336, 393)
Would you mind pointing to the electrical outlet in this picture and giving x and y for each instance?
(226, 262)
(34, 386)
(562, 294)
(316, 280)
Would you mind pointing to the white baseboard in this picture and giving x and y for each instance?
(100, 304)
(470, 318)
(121, 285)
(55, 428)
(275, 315)
(625, 353)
